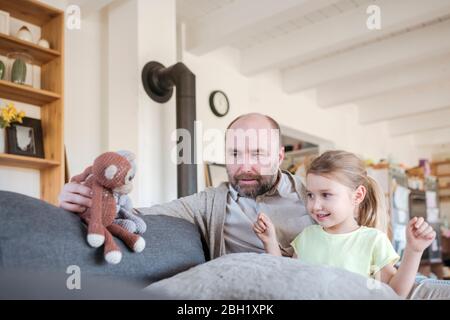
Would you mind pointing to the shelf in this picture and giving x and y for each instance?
(439, 163)
(444, 175)
(26, 94)
(32, 11)
(301, 152)
(12, 160)
(39, 54)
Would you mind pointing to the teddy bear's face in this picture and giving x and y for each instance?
(128, 186)
(128, 183)
(113, 171)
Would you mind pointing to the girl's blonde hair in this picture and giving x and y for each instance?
(350, 171)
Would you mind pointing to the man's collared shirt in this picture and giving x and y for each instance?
(282, 204)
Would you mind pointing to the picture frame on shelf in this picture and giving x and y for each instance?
(4, 22)
(66, 167)
(25, 139)
(215, 174)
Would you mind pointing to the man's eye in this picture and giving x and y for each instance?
(326, 195)
(309, 195)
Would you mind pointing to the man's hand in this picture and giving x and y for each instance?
(419, 234)
(75, 197)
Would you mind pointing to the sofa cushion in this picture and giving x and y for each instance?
(252, 276)
(36, 236)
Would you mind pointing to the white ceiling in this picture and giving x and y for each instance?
(399, 74)
(191, 10)
(299, 22)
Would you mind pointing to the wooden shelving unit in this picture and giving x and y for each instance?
(435, 167)
(51, 95)
(40, 55)
(26, 94)
(13, 160)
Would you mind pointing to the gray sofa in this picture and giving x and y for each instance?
(40, 239)
(38, 242)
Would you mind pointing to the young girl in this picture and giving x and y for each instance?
(349, 208)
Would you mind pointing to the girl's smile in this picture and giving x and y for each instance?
(322, 216)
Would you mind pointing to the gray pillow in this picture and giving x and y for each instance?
(252, 276)
(36, 236)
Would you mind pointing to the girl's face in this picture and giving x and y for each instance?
(332, 204)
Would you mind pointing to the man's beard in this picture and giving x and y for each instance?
(261, 186)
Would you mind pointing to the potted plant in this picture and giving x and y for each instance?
(8, 115)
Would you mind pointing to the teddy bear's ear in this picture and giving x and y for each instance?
(110, 172)
(127, 154)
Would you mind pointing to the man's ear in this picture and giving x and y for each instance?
(281, 155)
(359, 195)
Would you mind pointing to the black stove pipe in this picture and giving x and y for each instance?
(158, 82)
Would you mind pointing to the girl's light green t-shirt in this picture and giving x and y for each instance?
(365, 250)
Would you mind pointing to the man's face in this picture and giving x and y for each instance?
(253, 157)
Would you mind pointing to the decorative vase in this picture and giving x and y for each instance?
(2, 70)
(19, 71)
(25, 34)
(43, 43)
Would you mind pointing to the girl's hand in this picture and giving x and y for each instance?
(265, 230)
(419, 234)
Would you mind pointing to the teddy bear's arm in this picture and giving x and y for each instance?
(82, 176)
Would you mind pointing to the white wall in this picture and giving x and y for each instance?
(85, 95)
(121, 39)
(219, 70)
(216, 71)
(107, 109)
(157, 42)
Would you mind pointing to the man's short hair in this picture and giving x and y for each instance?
(275, 124)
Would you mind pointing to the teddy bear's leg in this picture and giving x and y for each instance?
(112, 250)
(133, 241)
(96, 230)
(96, 234)
(127, 224)
(141, 227)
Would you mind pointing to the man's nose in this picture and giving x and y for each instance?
(247, 166)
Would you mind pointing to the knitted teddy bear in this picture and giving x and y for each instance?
(125, 216)
(111, 173)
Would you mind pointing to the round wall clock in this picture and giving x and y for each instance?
(219, 103)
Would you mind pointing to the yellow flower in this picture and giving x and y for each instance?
(6, 115)
(20, 116)
(9, 114)
(12, 114)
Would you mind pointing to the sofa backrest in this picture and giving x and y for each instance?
(38, 237)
